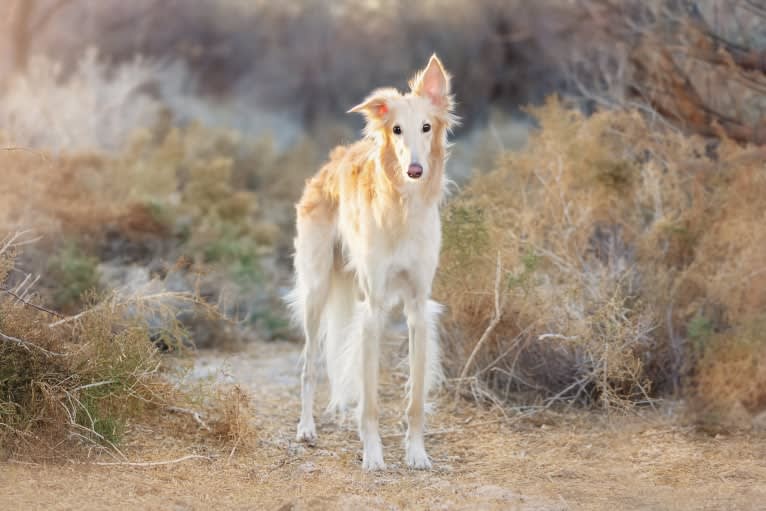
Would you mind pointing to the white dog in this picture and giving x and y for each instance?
(368, 239)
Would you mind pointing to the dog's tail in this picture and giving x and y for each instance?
(343, 344)
(342, 347)
(434, 369)
(336, 337)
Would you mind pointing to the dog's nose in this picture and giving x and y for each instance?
(415, 170)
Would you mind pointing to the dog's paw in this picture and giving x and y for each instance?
(417, 458)
(372, 463)
(372, 459)
(307, 433)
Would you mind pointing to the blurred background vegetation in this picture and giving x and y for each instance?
(605, 247)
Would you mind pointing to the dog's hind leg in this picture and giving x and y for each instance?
(313, 266)
(311, 321)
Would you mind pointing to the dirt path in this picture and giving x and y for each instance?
(481, 460)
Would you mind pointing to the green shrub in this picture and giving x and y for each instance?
(74, 273)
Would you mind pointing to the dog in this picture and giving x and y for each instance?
(368, 240)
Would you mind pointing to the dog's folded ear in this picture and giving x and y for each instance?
(375, 106)
(433, 83)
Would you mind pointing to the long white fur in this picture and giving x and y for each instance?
(343, 308)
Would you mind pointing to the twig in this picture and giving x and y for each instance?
(23, 283)
(497, 316)
(233, 450)
(28, 345)
(150, 463)
(12, 240)
(90, 430)
(16, 431)
(195, 415)
(549, 402)
(512, 345)
(133, 299)
(426, 433)
(30, 304)
(69, 319)
(92, 444)
(557, 336)
(96, 384)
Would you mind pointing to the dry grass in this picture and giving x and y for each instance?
(233, 426)
(72, 384)
(552, 461)
(611, 236)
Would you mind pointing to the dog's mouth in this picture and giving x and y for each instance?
(415, 171)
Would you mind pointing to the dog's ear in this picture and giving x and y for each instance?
(433, 83)
(375, 107)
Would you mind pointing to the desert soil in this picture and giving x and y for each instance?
(482, 458)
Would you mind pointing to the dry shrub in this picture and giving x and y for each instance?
(233, 423)
(75, 382)
(609, 236)
(730, 382)
(172, 192)
(164, 179)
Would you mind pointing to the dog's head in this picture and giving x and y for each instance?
(413, 125)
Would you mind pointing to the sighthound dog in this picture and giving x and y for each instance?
(368, 239)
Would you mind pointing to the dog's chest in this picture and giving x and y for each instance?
(400, 245)
(412, 248)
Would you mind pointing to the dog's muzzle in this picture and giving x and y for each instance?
(415, 170)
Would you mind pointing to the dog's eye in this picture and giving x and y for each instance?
(398, 130)
(426, 128)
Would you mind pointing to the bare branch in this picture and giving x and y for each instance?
(30, 304)
(195, 415)
(28, 345)
(496, 317)
(15, 240)
(95, 384)
(152, 463)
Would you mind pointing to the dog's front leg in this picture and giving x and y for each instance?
(372, 326)
(418, 331)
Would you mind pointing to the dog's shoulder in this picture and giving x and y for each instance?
(352, 155)
(343, 170)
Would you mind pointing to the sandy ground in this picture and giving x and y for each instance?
(482, 460)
